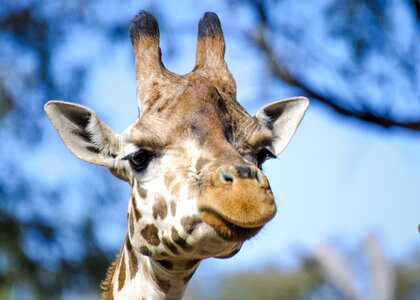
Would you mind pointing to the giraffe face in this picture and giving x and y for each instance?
(193, 157)
(197, 187)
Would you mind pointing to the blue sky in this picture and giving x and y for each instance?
(337, 181)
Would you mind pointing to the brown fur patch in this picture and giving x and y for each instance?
(175, 189)
(170, 246)
(180, 241)
(191, 264)
(121, 274)
(142, 192)
(165, 285)
(145, 267)
(131, 224)
(150, 234)
(160, 208)
(169, 178)
(189, 223)
(137, 212)
(173, 208)
(145, 251)
(133, 262)
(166, 264)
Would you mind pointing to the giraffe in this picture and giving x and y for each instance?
(193, 160)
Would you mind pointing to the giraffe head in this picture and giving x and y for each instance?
(193, 157)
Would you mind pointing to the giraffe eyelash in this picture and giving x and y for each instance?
(140, 160)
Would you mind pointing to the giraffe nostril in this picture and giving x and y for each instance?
(244, 172)
(226, 176)
(235, 174)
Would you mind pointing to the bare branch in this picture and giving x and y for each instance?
(337, 270)
(340, 106)
(381, 270)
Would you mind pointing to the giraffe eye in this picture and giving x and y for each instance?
(140, 159)
(263, 155)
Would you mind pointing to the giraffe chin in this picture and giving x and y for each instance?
(227, 230)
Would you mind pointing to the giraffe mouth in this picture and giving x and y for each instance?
(226, 229)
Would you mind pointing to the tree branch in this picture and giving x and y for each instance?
(338, 105)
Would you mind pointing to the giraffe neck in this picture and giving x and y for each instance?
(136, 276)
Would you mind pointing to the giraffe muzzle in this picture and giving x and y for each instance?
(237, 201)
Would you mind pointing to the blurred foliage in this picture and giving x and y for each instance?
(44, 254)
(369, 47)
(273, 284)
(38, 259)
(408, 278)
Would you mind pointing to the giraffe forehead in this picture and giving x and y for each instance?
(193, 104)
(201, 113)
(201, 121)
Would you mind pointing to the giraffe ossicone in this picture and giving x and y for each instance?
(192, 158)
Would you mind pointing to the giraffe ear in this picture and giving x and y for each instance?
(282, 118)
(84, 133)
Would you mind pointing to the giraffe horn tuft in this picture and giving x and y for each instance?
(209, 25)
(210, 43)
(143, 24)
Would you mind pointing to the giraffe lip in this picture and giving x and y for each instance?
(226, 229)
(251, 223)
